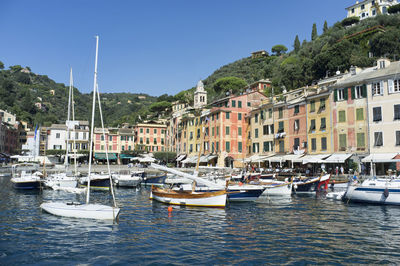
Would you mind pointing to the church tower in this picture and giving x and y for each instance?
(200, 96)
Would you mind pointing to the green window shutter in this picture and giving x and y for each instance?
(335, 95)
(342, 141)
(360, 114)
(342, 116)
(364, 90)
(353, 93)
(239, 131)
(345, 93)
(360, 140)
(240, 147)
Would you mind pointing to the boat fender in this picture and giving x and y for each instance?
(386, 192)
(295, 186)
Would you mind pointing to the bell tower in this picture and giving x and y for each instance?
(200, 96)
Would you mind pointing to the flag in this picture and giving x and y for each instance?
(36, 131)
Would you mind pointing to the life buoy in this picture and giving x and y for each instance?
(386, 192)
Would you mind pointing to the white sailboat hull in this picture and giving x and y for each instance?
(218, 201)
(375, 191)
(87, 211)
(278, 189)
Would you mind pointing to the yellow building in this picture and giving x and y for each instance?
(369, 8)
(319, 137)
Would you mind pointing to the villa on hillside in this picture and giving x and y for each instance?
(369, 8)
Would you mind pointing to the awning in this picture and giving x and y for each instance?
(337, 158)
(314, 158)
(292, 157)
(102, 156)
(126, 156)
(276, 159)
(256, 158)
(380, 158)
(191, 159)
(207, 158)
(180, 157)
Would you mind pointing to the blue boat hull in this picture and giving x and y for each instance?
(98, 184)
(156, 180)
(27, 185)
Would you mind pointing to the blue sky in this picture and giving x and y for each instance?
(154, 47)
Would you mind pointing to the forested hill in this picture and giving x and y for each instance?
(349, 42)
(37, 99)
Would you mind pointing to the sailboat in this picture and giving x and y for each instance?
(87, 210)
(66, 179)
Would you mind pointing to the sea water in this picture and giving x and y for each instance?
(295, 230)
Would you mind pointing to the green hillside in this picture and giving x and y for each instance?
(337, 48)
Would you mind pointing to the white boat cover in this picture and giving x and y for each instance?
(180, 157)
(337, 158)
(380, 158)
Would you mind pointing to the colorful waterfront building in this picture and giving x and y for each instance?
(150, 136)
(297, 118)
(319, 132)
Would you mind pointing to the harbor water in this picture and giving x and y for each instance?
(295, 231)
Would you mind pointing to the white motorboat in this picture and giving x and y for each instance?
(277, 188)
(128, 178)
(88, 210)
(61, 180)
(26, 176)
(378, 191)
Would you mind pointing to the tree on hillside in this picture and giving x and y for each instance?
(159, 107)
(325, 26)
(16, 68)
(279, 49)
(1, 65)
(296, 44)
(228, 84)
(314, 33)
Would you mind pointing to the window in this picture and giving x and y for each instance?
(239, 104)
(342, 116)
(312, 126)
(198, 133)
(271, 129)
(377, 88)
(323, 123)
(240, 148)
(57, 135)
(360, 140)
(270, 113)
(239, 131)
(256, 133)
(362, 7)
(340, 94)
(266, 146)
(141, 130)
(256, 118)
(141, 140)
(262, 115)
(239, 116)
(378, 138)
(322, 104)
(296, 144)
(352, 10)
(123, 148)
(312, 106)
(281, 146)
(360, 114)
(281, 127)
(110, 148)
(377, 114)
(147, 130)
(102, 147)
(102, 137)
(358, 92)
(217, 147)
(296, 125)
(191, 135)
(248, 104)
(342, 142)
(313, 144)
(233, 103)
(394, 85)
(212, 131)
(155, 141)
(323, 144)
(77, 135)
(110, 138)
(227, 131)
(265, 130)
(397, 138)
(227, 115)
(218, 131)
(227, 146)
(191, 148)
(296, 109)
(396, 111)
(147, 141)
(280, 110)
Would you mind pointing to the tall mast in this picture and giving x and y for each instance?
(92, 126)
(66, 162)
(73, 119)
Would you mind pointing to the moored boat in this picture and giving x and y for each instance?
(128, 178)
(97, 182)
(26, 176)
(376, 191)
(157, 180)
(215, 199)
